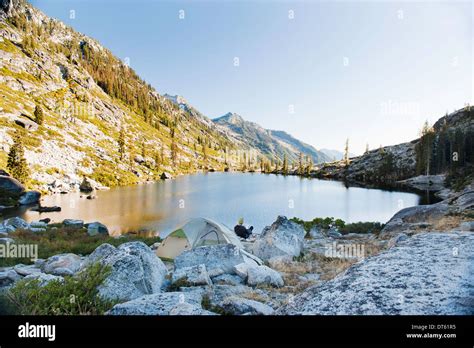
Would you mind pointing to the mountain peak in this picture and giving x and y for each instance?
(177, 99)
(230, 117)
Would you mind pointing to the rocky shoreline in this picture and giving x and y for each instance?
(389, 272)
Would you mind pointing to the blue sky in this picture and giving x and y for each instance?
(369, 71)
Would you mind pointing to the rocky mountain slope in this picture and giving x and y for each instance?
(88, 96)
(335, 155)
(273, 143)
(423, 274)
(451, 134)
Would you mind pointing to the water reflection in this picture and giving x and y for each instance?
(225, 197)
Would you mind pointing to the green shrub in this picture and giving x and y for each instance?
(67, 240)
(362, 227)
(180, 283)
(323, 223)
(111, 176)
(76, 295)
(328, 222)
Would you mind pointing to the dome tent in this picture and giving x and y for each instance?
(199, 232)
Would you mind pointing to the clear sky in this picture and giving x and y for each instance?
(370, 71)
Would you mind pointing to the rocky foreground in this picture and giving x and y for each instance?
(422, 262)
(430, 273)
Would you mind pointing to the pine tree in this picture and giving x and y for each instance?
(121, 142)
(39, 116)
(309, 165)
(285, 164)
(158, 160)
(300, 163)
(143, 149)
(424, 150)
(17, 165)
(162, 155)
(204, 153)
(346, 153)
(174, 151)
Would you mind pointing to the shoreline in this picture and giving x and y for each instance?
(92, 194)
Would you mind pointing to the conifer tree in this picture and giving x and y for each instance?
(121, 142)
(143, 149)
(346, 153)
(158, 160)
(300, 163)
(39, 116)
(17, 165)
(309, 165)
(174, 151)
(424, 150)
(285, 164)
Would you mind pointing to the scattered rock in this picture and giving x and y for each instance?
(280, 262)
(136, 270)
(283, 237)
(217, 294)
(37, 230)
(16, 223)
(238, 305)
(396, 239)
(139, 159)
(467, 226)
(426, 182)
(155, 246)
(10, 186)
(95, 228)
(38, 224)
(334, 233)
(47, 209)
(192, 276)
(73, 223)
(405, 218)
(24, 270)
(87, 185)
(8, 277)
(218, 259)
(29, 198)
(242, 270)
(26, 123)
(228, 279)
(189, 309)
(165, 176)
(156, 304)
(62, 264)
(465, 200)
(263, 275)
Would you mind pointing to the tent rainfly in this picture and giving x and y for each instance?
(199, 232)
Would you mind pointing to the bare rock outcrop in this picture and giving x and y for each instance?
(431, 273)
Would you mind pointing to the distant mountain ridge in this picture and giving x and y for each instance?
(335, 155)
(273, 143)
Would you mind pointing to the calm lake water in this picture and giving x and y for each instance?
(225, 197)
